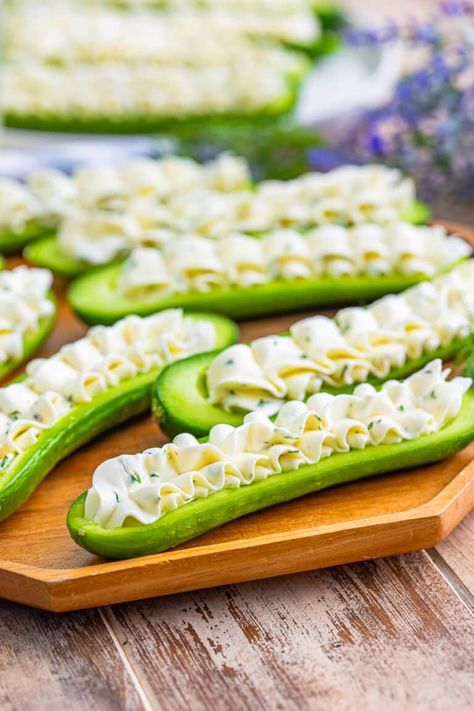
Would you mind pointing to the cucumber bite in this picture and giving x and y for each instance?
(146, 503)
(388, 339)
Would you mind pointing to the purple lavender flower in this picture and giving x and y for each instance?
(427, 128)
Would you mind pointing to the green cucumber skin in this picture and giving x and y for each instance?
(180, 404)
(83, 423)
(31, 343)
(123, 125)
(94, 299)
(203, 515)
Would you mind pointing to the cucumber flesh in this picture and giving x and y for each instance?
(203, 515)
(180, 402)
(83, 423)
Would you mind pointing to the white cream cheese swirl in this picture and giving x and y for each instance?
(24, 303)
(48, 196)
(221, 206)
(193, 263)
(52, 33)
(357, 344)
(41, 200)
(144, 487)
(80, 371)
(118, 90)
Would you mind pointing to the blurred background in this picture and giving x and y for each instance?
(292, 85)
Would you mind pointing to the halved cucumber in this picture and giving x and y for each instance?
(180, 400)
(46, 252)
(31, 342)
(95, 298)
(201, 515)
(149, 123)
(83, 423)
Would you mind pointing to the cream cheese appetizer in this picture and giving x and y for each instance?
(135, 67)
(27, 314)
(197, 264)
(87, 387)
(28, 210)
(357, 344)
(144, 487)
(51, 32)
(351, 195)
(242, 276)
(391, 338)
(31, 208)
(121, 91)
(145, 503)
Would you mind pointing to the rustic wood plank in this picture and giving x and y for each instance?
(389, 632)
(457, 552)
(49, 662)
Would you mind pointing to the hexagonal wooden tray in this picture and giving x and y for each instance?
(405, 511)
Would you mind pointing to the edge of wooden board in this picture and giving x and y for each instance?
(265, 556)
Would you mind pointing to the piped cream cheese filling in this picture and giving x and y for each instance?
(196, 264)
(137, 90)
(41, 200)
(357, 344)
(49, 195)
(80, 371)
(352, 195)
(23, 303)
(144, 487)
(280, 6)
(51, 33)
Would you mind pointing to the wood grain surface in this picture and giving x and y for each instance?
(51, 662)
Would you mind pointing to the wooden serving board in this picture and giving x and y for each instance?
(41, 566)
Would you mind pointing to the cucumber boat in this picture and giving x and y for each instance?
(205, 390)
(138, 505)
(46, 251)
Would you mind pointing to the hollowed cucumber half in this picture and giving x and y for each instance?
(201, 515)
(95, 298)
(181, 403)
(84, 422)
(153, 123)
(32, 341)
(46, 252)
